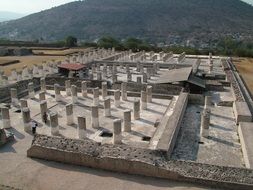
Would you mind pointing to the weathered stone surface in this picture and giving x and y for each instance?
(125, 159)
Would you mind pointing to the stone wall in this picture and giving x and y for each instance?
(21, 87)
(122, 158)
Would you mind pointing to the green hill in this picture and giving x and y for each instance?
(149, 19)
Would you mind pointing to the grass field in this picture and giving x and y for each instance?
(245, 68)
(26, 60)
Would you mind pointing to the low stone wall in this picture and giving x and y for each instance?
(168, 139)
(242, 112)
(122, 158)
(21, 87)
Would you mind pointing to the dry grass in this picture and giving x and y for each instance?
(55, 52)
(245, 68)
(26, 60)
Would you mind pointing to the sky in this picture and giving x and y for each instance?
(32, 6)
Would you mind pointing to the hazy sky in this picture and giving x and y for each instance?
(31, 6)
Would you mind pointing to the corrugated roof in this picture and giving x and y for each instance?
(72, 66)
(175, 75)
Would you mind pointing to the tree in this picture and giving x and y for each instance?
(108, 42)
(70, 41)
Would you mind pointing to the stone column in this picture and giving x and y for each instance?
(74, 94)
(141, 69)
(127, 68)
(148, 73)
(19, 75)
(84, 89)
(14, 74)
(69, 114)
(57, 92)
(127, 121)
(117, 138)
(96, 96)
(99, 75)
(81, 127)
(205, 122)
(23, 103)
(94, 117)
(105, 71)
(42, 96)
(14, 96)
(114, 77)
(26, 119)
(91, 76)
(43, 84)
(144, 77)
(6, 117)
(143, 100)
(149, 94)
(124, 91)
(43, 108)
(208, 101)
(104, 90)
(138, 80)
(31, 90)
(117, 98)
(107, 107)
(129, 77)
(54, 123)
(68, 87)
(137, 109)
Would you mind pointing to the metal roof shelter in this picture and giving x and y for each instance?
(180, 75)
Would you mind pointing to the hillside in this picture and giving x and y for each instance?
(151, 19)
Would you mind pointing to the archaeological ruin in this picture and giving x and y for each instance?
(180, 117)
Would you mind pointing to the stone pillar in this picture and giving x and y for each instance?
(117, 138)
(43, 108)
(26, 119)
(23, 103)
(144, 77)
(138, 80)
(105, 71)
(74, 94)
(114, 77)
(129, 77)
(43, 84)
(107, 107)
(6, 117)
(91, 76)
(68, 87)
(81, 127)
(94, 117)
(205, 122)
(143, 100)
(96, 96)
(104, 90)
(149, 94)
(148, 73)
(127, 121)
(84, 88)
(137, 109)
(19, 75)
(99, 75)
(42, 96)
(208, 101)
(117, 98)
(141, 68)
(14, 96)
(69, 114)
(31, 90)
(124, 91)
(57, 92)
(127, 68)
(54, 123)
(14, 74)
